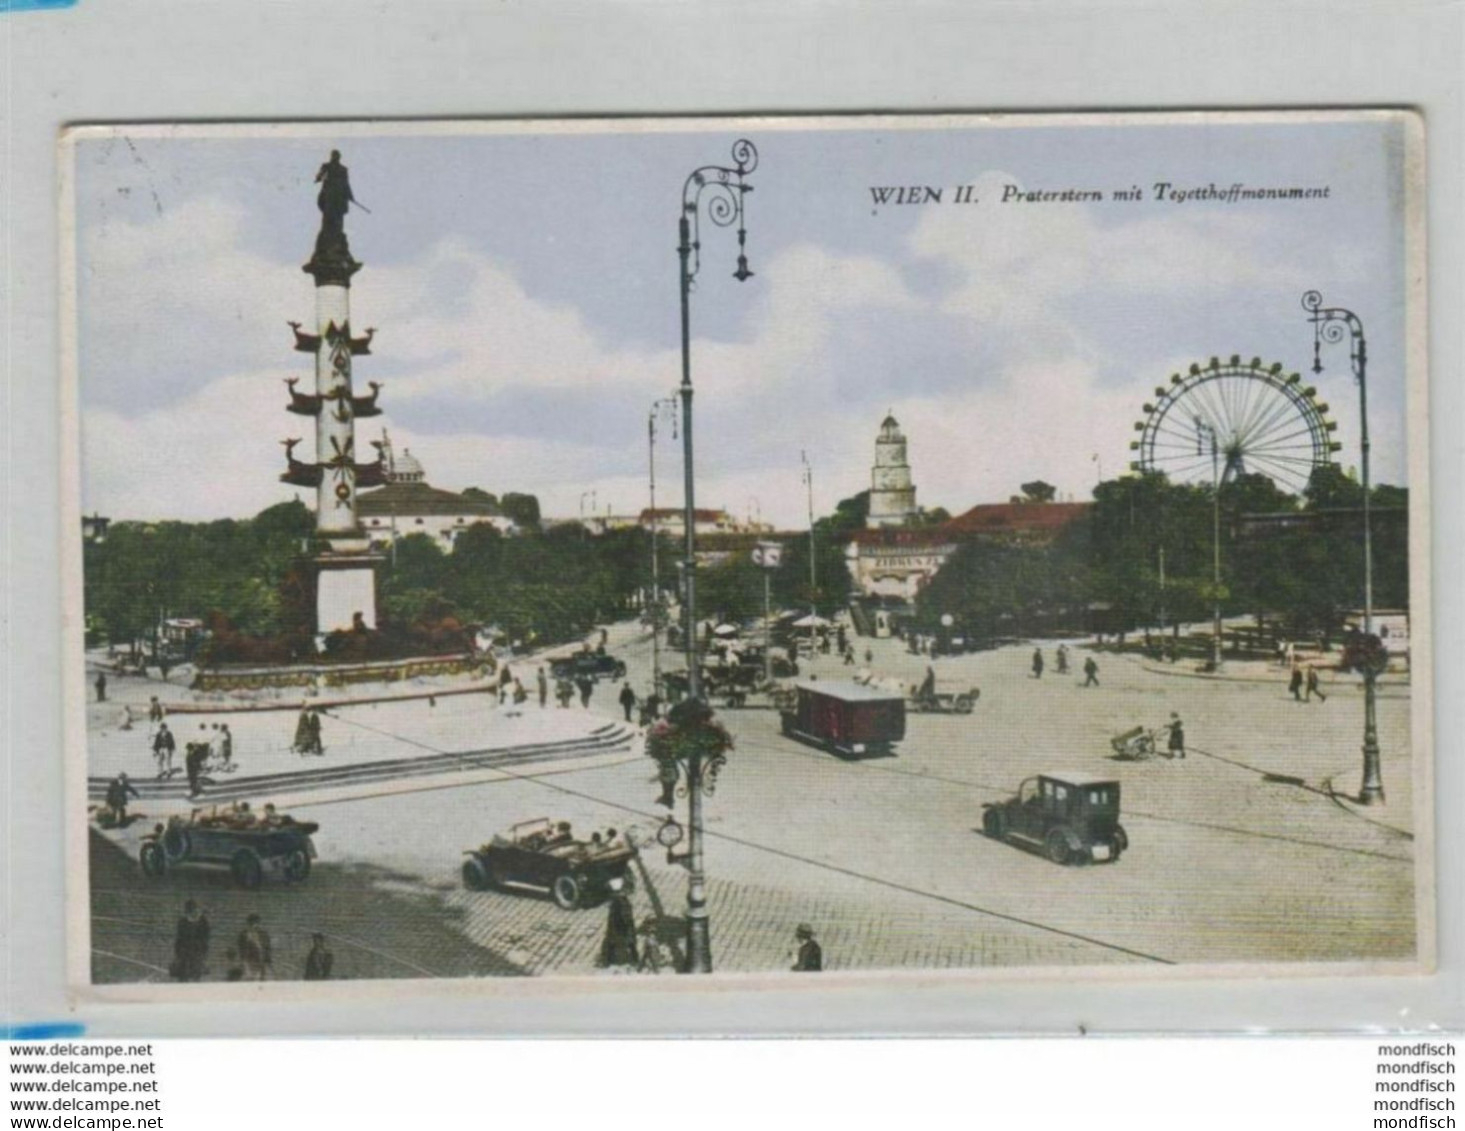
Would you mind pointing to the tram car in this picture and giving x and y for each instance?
(848, 719)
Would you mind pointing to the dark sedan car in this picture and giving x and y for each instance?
(1072, 818)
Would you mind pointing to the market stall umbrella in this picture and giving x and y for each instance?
(811, 621)
(725, 630)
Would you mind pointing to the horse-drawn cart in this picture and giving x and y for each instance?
(944, 702)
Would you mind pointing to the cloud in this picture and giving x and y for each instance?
(1050, 328)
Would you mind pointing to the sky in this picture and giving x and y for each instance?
(524, 286)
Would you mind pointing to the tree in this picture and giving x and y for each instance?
(480, 496)
(522, 509)
(1038, 492)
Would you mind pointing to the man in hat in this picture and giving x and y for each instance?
(542, 681)
(1037, 663)
(163, 747)
(618, 948)
(1177, 736)
(319, 961)
(101, 687)
(810, 956)
(255, 951)
(627, 700)
(1091, 672)
(190, 944)
(117, 793)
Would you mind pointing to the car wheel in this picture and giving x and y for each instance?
(963, 704)
(620, 671)
(1121, 841)
(475, 877)
(153, 860)
(247, 870)
(297, 866)
(1056, 845)
(566, 892)
(994, 824)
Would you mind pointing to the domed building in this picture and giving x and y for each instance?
(408, 504)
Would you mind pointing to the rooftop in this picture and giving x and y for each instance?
(415, 498)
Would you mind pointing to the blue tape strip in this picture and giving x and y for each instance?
(42, 1032)
(27, 5)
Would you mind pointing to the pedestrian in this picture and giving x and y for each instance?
(319, 961)
(1313, 687)
(666, 774)
(618, 948)
(118, 790)
(1063, 659)
(604, 639)
(1091, 672)
(255, 951)
(163, 747)
(628, 700)
(869, 656)
(564, 692)
(155, 715)
(926, 693)
(301, 745)
(1294, 685)
(849, 656)
(809, 957)
(314, 736)
(101, 686)
(1177, 736)
(587, 688)
(190, 944)
(226, 748)
(1037, 663)
(543, 682)
(196, 754)
(126, 723)
(656, 956)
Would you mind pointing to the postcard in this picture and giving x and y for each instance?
(783, 551)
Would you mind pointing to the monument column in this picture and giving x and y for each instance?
(346, 570)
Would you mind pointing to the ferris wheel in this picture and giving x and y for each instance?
(1232, 419)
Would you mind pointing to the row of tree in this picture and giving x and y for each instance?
(557, 583)
(1143, 556)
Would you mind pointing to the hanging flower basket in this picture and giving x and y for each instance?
(669, 741)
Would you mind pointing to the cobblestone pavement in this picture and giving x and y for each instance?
(1238, 853)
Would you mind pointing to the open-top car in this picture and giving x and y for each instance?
(596, 665)
(251, 848)
(545, 855)
(1072, 818)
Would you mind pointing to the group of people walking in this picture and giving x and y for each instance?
(250, 959)
(1090, 665)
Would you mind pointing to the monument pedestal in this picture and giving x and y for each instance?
(345, 584)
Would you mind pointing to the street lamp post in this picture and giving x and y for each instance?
(1333, 324)
(813, 557)
(1205, 435)
(725, 188)
(663, 404)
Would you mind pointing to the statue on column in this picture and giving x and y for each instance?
(334, 200)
